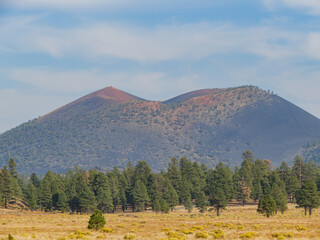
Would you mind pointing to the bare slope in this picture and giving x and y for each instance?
(109, 128)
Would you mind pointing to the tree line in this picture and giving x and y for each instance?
(136, 188)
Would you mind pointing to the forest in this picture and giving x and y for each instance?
(137, 188)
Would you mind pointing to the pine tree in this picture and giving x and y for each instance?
(7, 183)
(31, 196)
(13, 168)
(298, 168)
(156, 207)
(279, 195)
(35, 181)
(164, 206)
(104, 200)
(308, 196)
(219, 200)
(62, 202)
(184, 190)
(267, 205)
(201, 202)
(174, 173)
(292, 186)
(188, 205)
(45, 195)
(171, 196)
(140, 196)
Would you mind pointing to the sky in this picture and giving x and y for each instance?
(55, 51)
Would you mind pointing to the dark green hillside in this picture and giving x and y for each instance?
(109, 128)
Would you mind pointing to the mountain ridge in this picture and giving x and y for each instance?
(109, 128)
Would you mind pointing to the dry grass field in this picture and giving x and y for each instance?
(236, 222)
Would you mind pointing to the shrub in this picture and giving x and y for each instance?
(106, 230)
(72, 236)
(300, 228)
(248, 235)
(100, 237)
(96, 220)
(187, 231)
(276, 234)
(165, 229)
(288, 235)
(218, 234)
(10, 237)
(129, 236)
(197, 228)
(202, 235)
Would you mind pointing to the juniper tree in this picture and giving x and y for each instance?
(96, 221)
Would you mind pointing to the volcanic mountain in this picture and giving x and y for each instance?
(109, 128)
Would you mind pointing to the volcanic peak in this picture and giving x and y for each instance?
(115, 94)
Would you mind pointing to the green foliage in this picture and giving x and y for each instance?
(308, 196)
(96, 221)
(267, 205)
(188, 205)
(164, 206)
(140, 196)
(31, 196)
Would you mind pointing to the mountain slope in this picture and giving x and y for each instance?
(109, 128)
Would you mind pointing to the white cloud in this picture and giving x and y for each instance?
(188, 41)
(313, 46)
(311, 6)
(108, 5)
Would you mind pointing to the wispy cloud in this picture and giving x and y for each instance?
(310, 6)
(166, 42)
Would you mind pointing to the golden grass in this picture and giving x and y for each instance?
(235, 223)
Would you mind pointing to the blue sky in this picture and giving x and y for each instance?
(55, 51)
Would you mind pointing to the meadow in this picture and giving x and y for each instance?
(237, 222)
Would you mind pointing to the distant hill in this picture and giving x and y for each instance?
(110, 128)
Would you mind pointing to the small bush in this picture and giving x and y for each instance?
(100, 237)
(96, 220)
(288, 235)
(165, 229)
(61, 238)
(300, 228)
(33, 236)
(10, 237)
(248, 235)
(202, 235)
(275, 235)
(106, 230)
(129, 236)
(187, 231)
(217, 234)
(174, 235)
(72, 236)
(197, 228)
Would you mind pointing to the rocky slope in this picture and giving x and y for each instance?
(109, 128)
